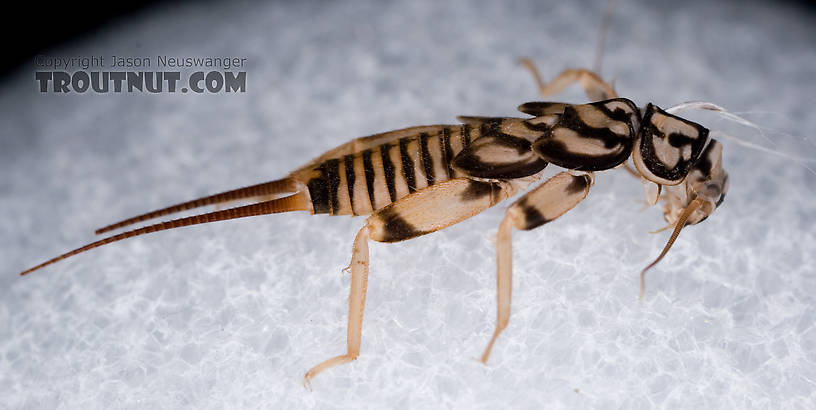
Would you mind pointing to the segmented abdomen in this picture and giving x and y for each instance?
(363, 182)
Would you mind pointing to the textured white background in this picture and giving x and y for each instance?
(231, 315)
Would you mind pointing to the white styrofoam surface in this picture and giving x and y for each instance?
(231, 315)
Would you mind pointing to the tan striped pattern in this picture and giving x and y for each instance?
(362, 182)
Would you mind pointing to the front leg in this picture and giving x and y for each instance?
(595, 87)
(547, 202)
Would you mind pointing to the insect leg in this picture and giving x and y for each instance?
(548, 201)
(651, 190)
(427, 210)
(359, 283)
(594, 86)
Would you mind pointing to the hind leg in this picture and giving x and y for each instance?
(425, 211)
(359, 283)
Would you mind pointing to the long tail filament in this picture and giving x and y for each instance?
(281, 186)
(297, 202)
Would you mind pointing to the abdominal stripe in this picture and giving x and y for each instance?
(388, 171)
(447, 151)
(407, 164)
(369, 174)
(414, 151)
(348, 161)
(331, 169)
(427, 160)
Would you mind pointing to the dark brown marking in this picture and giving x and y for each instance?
(407, 164)
(447, 151)
(331, 170)
(388, 169)
(319, 194)
(395, 227)
(538, 108)
(471, 166)
(465, 135)
(532, 217)
(678, 140)
(525, 164)
(521, 145)
(536, 127)
(556, 152)
(719, 201)
(348, 160)
(477, 190)
(369, 174)
(578, 184)
(490, 127)
(619, 114)
(649, 133)
(571, 120)
(427, 160)
(704, 164)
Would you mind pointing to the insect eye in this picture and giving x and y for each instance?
(719, 201)
(712, 192)
(712, 187)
